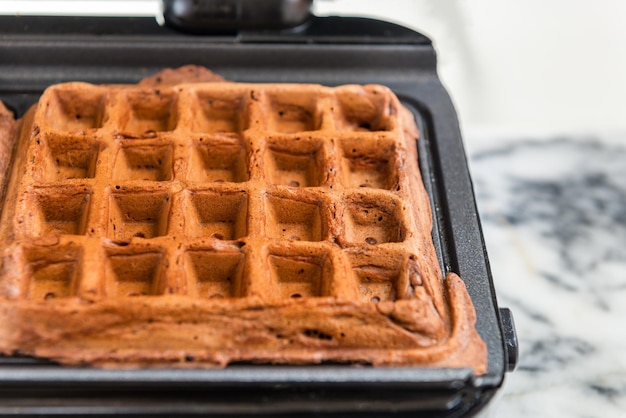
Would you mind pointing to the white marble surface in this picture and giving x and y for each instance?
(554, 218)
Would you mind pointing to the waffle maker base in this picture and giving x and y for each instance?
(40, 51)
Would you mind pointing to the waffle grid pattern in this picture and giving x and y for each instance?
(215, 192)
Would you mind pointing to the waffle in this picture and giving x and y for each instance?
(201, 224)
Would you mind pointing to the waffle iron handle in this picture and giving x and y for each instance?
(228, 16)
(510, 338)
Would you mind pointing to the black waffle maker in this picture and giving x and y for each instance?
(265, 41)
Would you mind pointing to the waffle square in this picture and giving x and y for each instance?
(202, 224)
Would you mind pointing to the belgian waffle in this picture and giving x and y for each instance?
(200, 224)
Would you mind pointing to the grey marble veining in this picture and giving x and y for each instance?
(554, 219)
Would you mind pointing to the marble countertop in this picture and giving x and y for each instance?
(554, 219)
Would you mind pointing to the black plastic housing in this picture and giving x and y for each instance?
(39, 51)
(219, 16)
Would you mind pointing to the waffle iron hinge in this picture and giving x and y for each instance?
(224, 16)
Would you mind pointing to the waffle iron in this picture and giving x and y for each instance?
(278, 43)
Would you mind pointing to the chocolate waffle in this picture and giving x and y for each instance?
(201, 224)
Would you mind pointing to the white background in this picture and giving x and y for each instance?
(519, 67)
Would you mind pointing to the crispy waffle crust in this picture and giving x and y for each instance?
(200, 224)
